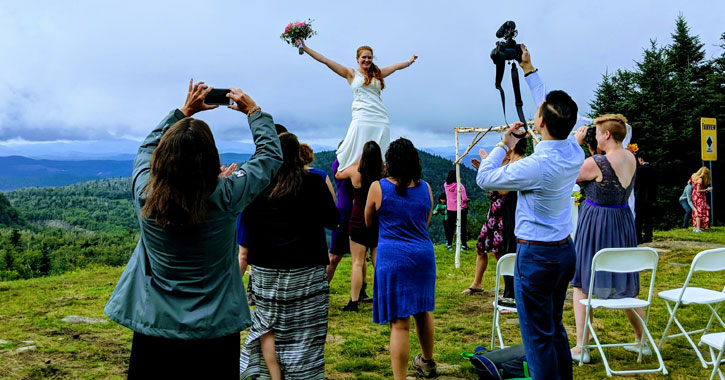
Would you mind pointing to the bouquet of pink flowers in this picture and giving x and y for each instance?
(296, 31)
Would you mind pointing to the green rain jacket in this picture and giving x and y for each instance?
(187, 284)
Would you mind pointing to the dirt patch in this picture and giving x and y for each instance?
(666, 246)
(334, 339)
(477, 307)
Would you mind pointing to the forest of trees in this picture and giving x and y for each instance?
(664, 96)
(51, 230)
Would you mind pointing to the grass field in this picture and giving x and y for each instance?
(31, 310)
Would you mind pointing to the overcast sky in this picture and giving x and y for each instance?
(102, 70)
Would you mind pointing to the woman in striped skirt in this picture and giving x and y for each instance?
(288, 253)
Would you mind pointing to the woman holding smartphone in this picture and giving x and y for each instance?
(369, 115)
(181, 292)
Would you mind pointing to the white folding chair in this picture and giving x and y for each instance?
(711, 260)
(716, 342)
(504, 267)
(623, 260)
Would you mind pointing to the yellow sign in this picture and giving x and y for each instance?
(708, 131)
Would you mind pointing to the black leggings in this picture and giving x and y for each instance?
(164, 358)
(452, 226)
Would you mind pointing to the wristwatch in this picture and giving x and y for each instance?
(503, 146)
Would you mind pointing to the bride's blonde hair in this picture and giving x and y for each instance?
(374, 71)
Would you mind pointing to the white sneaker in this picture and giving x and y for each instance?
(645, 350)
(583, 356)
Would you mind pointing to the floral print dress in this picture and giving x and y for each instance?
(491, 237)
(700, 202)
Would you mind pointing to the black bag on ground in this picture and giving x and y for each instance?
(507, 363)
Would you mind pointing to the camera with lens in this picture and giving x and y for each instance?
(591, 138)
(506, 49)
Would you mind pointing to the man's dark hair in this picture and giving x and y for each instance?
(559, 113)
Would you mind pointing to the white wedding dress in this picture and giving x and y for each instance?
(369, 122)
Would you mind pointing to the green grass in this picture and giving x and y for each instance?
(356, 348)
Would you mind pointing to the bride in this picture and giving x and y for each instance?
(369, 115)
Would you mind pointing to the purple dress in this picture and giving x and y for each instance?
(340, 237)
(605, 221)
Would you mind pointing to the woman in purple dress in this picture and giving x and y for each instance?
(362, 238)
(340, 236)
(605, 221)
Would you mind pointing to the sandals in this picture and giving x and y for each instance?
(472, 291)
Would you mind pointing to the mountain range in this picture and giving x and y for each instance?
(17, 172)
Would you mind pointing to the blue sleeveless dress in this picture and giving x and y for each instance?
(605, 221)
(405, 270)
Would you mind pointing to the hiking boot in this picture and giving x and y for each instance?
(351, 306)
(425, 368)
(363, 295)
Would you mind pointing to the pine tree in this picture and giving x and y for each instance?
(686, 52)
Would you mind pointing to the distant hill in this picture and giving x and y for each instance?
(104, 205)
(18, 172)
(435, 170)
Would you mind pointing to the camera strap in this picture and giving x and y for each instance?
(517, 90)
(517, 93)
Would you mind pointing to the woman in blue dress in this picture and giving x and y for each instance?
(405, 271)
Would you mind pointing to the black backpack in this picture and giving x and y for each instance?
(506, 363)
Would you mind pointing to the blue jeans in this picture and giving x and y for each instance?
(688, 213)
(541, 278)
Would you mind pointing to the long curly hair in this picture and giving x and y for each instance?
(307, 155)
(371, 164)
(184, 172)
(403, 164)
(704, 174)
(374, 71)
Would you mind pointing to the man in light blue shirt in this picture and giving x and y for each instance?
(545, 254)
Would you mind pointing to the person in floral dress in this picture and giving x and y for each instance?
(700, 182)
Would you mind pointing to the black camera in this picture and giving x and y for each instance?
(591, 138)
(507, 49)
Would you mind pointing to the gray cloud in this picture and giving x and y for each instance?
(90, 70)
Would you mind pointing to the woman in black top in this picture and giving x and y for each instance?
(362, 238)
(288, 252)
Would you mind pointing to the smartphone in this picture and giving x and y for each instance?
(218, 97)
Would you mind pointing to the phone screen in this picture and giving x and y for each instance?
(218, 96)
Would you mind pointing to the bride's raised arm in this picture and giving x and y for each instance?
(343, 71)
(387, 70)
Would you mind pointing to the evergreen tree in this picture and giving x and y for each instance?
(15, 239)
(686, 52)
(44, 266)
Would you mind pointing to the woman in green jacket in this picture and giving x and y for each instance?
(181, 292)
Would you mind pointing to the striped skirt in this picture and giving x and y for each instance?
(292, 304)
